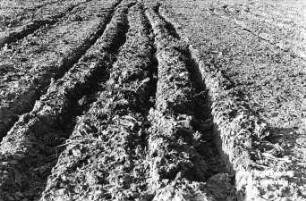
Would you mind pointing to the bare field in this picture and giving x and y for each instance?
(152, 100)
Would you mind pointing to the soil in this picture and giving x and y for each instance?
(152, 100)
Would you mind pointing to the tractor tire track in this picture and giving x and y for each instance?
(48, 58)
(46, 16)
(181, 144)
(106, 152)
(31, 149)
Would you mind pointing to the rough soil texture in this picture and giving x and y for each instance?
(163, 100)
(18, 22)
(31, 63)
(269, 79)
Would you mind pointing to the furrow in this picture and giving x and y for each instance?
(105, 156)
(168, 26)
(48, 15)
(31, 148)
(261, 170)
(244, 141)
(46, 56)
(185, 163)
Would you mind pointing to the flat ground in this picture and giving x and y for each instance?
(153, 100)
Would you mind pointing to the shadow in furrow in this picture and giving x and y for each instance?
(209, 148)
(202, 111)
(152, 87)
(84, 96)
(68, 63)
(48, 135)
(220, 181)
(153, 67)
(121, 111)
(12, 113)
(171, 29)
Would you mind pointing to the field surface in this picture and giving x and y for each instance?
(153, 100)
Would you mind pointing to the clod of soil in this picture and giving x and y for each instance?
(150, 100)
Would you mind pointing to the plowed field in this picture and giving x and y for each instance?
(152, 100)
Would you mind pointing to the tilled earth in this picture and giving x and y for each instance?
(152, 100)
